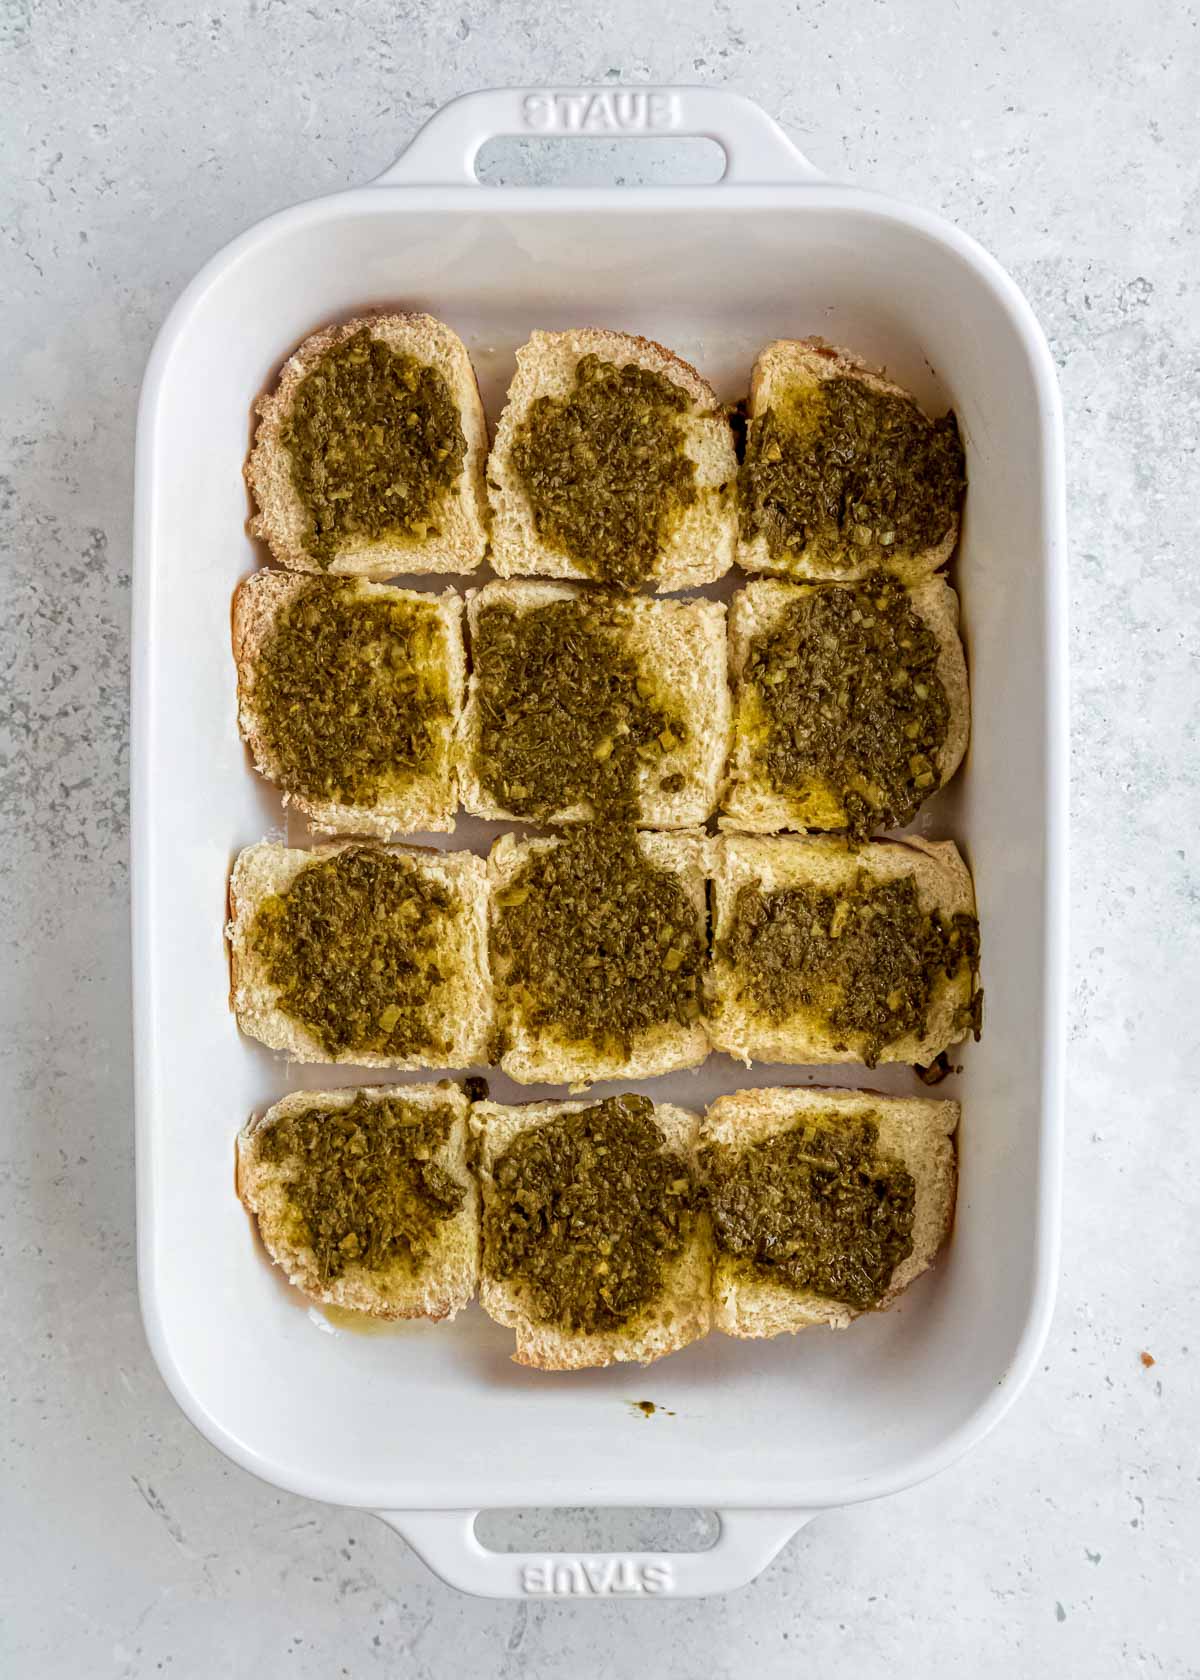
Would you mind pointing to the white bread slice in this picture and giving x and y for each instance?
(914, 1130)
(461, 535)
(682, 646)
(683, 1311)
(701, 544)
(463, 1006)
(943, 883)
(782, 367)
(752, 802)
(449, 1275)
(424, 803)
(532, 1056)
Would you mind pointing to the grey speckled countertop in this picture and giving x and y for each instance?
(139, 137)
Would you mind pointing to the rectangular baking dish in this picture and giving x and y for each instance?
(430, 1424)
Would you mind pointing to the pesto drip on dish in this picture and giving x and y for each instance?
(351, 693)
(850, 696)
(595, 945)
(866, 960)
(374, 442)
(355, 949)
(363, 1184)
(605, 469)
(818, 1208)
(848, 475)
(567, 716)
(584, 1212)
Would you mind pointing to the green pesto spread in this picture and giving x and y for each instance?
(567, 717)
(353, 948)
(595, 945)
(584, 1211)
(374, 441)
(351, 693)
(363, 1183)
(605, 470)
(849, 692)
(849, 474)
(817, 1208)
(866, 960)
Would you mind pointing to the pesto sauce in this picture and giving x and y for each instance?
(585, 1209)
(853, 474)
(848, 685)
(364, 1183)
(866, 960)
(595, 945)
(605, 469)
(817, 1208)
(566, 715)
(374, 441)
(352, 949)
(351, 693)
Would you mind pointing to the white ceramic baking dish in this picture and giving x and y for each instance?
(431, 1424)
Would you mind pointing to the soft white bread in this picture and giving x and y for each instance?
(752, 802)
(460, 1006)
(681, 647)
(915, 1131)
(423, 802)
(448, 1275)
(789, 365)
(682, 1313)
(737, 1027)
(457, 542)
(537, 1055)
(700, 545)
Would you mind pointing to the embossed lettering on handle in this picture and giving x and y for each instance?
(610, 111)
(447, 1541)
(604, 1577)
(443, 153)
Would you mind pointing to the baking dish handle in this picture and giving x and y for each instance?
(443, 152)
(446, 1541)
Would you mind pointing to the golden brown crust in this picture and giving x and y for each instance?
(943, 882)
(281, 522)
(533, 1058)
(448, 1279)
(429, 804)
(916, 1130)
(819, 361)
(269, 868)
(751, 804)
(682, 644)
(683, 1313)
(700, 548)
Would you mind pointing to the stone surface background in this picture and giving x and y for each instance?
(138, 137)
